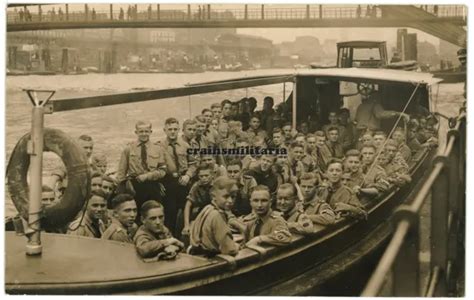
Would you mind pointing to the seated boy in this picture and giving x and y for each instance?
(153, 238)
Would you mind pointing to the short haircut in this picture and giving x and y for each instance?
(203, 167)
(268, 98)
(344, 110)
(215, 105)
(149, 205)
(46, 189)
(200, 119)
(86, 138)
(241, 140)
(380, 133)
(108, 179)
(260, 188)
(252, 101)
(276, 130)
(334, 161)
(206, 110)
(119, 199)
(142, 124)
(255, 116)
(391, 142)
(225, 101)
(296, 144)
(170, 121)
(237, 103)
(310, 136)
(235, 162)
(99, 159)
(307, 177)
(98, 193)
(299, 134)
(399, 129)
(273, 157)
(288, 186)
(223, 182)
(331, 128)
(286, 124)
(96, 174)
(352, 152)
(368, 145)
(188, 122)
(320, 133)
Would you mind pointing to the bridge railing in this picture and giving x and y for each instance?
(202, 14)
(446, 186)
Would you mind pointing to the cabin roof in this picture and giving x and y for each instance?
(371, 74)
(345, 74)
(361, 43)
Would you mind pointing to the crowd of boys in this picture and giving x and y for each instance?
(165, 200)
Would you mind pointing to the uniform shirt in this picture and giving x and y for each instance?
(184, 163)
(298, 222)
(87, 227)
(335, 149)
(309, 163)
(242, 200)
(199, 196)
(369, 113)
(268, 178)
(211, 232)
(131, 162)
(319, 212)
(323, 155)
(342, 199)
(252, 133)
(272, 226)
(117, 232)
(397, 172)
(342, 136)
(405, 151)
(376, 177)
(349, 136)
(149, 244)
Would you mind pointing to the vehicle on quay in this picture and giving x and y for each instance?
(310, 264)
(367, 54)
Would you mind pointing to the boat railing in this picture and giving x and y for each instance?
(445, 184)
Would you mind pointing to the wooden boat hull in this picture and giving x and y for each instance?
(64, 266)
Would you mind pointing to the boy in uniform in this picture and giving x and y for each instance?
(318, 211)
(153, 238)
(296, 219)
(263, 226)
(91, 223)
(123, 227)
(210, 233)
(142, 164)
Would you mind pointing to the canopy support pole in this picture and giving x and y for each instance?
(293, 109)
(35, 150)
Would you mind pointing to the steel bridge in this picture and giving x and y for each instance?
(446, 22)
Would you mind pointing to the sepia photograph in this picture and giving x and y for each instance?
(233, 149)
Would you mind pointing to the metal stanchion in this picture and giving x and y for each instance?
(439, 227)
(406, 269)
(35, 150)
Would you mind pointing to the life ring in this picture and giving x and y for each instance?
(61, 213)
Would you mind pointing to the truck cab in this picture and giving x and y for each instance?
(362, 54)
